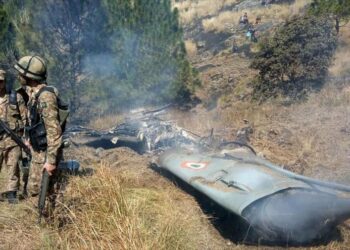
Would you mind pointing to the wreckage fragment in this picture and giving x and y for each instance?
(279, 205)
(145, 132)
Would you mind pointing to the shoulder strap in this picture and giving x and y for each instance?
(21, 91)
(62, 107)
(45, 88)
(61, 104)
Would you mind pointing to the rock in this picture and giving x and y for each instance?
(247, 5)
(217, 76)
(205, 67)
(98, 151)
(273, 132)
(200, 44)
(230, 79)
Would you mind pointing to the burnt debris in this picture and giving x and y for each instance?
(144, 132)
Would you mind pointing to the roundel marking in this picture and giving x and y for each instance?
(194, 165)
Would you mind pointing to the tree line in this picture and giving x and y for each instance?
(102, 55)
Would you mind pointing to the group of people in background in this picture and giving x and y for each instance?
(251, 31)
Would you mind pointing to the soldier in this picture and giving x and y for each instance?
(13, 113)
(251, 31)
(44, 131)
(244, 19)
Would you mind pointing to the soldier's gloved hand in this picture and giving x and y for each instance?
(49, 168)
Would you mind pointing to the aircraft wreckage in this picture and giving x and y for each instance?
(280, 206)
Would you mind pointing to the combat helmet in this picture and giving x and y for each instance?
(32, 67)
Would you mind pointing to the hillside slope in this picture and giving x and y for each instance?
(119, 201)
(310, 137)
(316, 128)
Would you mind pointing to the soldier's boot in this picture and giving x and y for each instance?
(12, 197)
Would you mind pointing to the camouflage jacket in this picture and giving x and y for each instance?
(48, 111)
(15, 116)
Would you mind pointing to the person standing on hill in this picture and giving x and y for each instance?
(13, 113)
(244, 19)
(251, 31)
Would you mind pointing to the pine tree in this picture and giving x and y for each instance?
(109, 54)
(149, 52)
(61, 31)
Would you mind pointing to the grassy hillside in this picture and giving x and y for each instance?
(305, 135)
(310, 137)
(126, 205)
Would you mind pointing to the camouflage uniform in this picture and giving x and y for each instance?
(48, 110)
(10, 152)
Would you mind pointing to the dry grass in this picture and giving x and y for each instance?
(122, 206)
(19, 228)
(191, 10)
(113, 210)
(302, 136)
(218, 23)
(341, 64)
(105, 121)
(191, 48)
(274, 13)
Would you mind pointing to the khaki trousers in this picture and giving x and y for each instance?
(9, 159)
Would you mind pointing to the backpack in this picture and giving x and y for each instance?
(63, 108)
(37, 131)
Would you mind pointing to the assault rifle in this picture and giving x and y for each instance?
(44, 186)
(70, 167)
(15, 137)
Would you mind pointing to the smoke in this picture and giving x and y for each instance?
(99, 65)
(104, 55)
(128, 83)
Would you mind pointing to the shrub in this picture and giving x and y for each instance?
(296, 58)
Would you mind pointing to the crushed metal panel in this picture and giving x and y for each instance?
(246, 182)
(279, 205)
